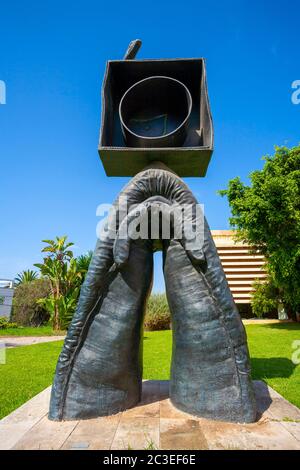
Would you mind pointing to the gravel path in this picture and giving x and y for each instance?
(264, 321)
(14, 341)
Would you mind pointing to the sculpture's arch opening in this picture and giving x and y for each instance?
(158, 274)
(157, 337)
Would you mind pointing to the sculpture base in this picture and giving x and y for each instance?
(154, 424)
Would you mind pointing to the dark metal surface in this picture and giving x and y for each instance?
(155, 112)
(99, 371)
(210, 372)
(132, 49)
(192, 156)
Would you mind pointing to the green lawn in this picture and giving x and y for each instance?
(29, 369)
(31, 331)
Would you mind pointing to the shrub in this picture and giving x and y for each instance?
(5, 323)
(157, 313)
(26, 309)
(265, 298)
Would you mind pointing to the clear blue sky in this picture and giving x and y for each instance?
(52, 60)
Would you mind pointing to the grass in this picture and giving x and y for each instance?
(45, 330)
(29, 369)
(271, 357)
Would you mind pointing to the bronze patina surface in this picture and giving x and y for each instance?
(99, 371)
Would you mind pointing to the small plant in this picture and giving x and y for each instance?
(150, 445)
(286, 419)
(5, 323)
(157, 313)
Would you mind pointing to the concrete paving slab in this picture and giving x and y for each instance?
(168, 411)
(282, 410)
(154, 424)
(31, 411)
(93, 434)
(181, 434)
(10, 434)
(46, 435)
(20, 421)
(268, 435)
(293, 428)
(137, 434)
(143, 410)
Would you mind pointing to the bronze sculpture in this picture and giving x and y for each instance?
(99, 371)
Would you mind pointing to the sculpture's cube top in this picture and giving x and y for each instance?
(190, 159)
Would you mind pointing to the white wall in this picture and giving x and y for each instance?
(5, 308)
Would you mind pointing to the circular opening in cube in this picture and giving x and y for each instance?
(154, 112)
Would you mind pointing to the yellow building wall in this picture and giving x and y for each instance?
(240, 266)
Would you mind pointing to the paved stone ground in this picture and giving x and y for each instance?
(14, 341)
(153, 424)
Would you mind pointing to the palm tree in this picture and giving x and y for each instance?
(59, 267)
(83, 262)
(26, 276)
(58, 249)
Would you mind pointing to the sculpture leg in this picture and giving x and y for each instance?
(106, 375)
(210, 373)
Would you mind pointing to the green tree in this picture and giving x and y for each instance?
(266, 215)
(60, 268)
(65, 274)
(265, 297)
(27, 310)
(26, 276)
(83, 262)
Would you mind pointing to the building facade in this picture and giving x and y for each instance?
(6, 297)
(240, 266)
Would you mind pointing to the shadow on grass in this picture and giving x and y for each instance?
(271, 367)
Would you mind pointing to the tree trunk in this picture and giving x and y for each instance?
(56, 324)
